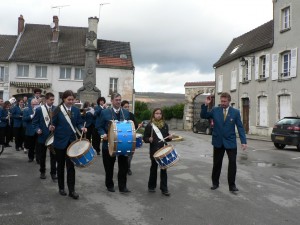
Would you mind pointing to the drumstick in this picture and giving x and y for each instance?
(166, 137)
(82, 131)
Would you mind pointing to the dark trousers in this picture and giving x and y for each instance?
(19, 136)
(109, 163)
(89, 132)
(217, 167)
(153, 177)
(5, 135)
(96, 140)
(43, 150)
(62, 160)
(31, 142)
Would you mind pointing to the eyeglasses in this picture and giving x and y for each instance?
(157, 113)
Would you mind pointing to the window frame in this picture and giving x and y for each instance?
(286, 64)
(81, 73)
(113, 85)
(41, 71)
(286, 18)
(22, 66)
(65, 68)
(2, 73)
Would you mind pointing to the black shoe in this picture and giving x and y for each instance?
(166, 193)
(233, 189)
(151, 190)
(125, 190)
(111, 189)
(214, 187)
(129, 172)
(54, 177)
(43, 176)
(30, 160)
(62, 192)
(73, 195)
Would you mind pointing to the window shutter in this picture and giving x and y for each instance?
(240, 73)
(267, 65)
(220, 83)
(256, 68)
(233, 79)
(274, 66)
(294, 62)
(249, 69)
(6, 74)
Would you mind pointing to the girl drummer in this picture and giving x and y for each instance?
(156, 128)
(66, 118)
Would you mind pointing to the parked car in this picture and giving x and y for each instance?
(204, 126)
(286, 132)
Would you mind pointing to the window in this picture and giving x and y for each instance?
(113, 85)
(220, 83)
(65, 73)
(41, 71)
(79, 72)
(1, 73)
(233, 80)
(23, 71)
(286, 64)
(263, 67)
(285, 18)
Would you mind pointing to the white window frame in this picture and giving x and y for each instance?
(286, 64)
(263, 66)
(79, 73)
(113, 85)
(40, 71)
(286, 18)
(63, 73)
(2, 73)
(23, 70)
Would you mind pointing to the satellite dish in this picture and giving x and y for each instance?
(52, 25)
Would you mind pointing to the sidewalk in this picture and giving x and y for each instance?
(257, 137)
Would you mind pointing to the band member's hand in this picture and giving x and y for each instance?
(51, 128)
(170, 136)
(208, 100)
(140, 125)
(105, 137)
(84, 130)
(39, 131)
(244, 147)
(150, 139)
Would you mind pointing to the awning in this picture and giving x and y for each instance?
(30, 84)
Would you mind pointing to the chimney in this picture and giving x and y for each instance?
(20, 24)
(55, 29)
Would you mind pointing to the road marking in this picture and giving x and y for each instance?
(14, 175)
(296, 158)
(11, 214)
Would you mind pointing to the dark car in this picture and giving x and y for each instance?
(203, 126)
(286, 132)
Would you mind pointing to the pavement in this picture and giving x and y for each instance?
(258, 137)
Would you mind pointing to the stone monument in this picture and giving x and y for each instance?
(89, 91)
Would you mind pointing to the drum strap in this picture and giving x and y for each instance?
(64, 112)
(158, 133)
(45, 115)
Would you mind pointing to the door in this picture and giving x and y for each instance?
(245, 107)
(285, 106)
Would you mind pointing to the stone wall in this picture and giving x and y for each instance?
(175, 124)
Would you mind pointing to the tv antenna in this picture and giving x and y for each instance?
(59, 7)
(100, 5)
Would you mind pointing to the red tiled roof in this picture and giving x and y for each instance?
(109, 61)
(201, 83)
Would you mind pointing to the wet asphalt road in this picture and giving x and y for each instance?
(268, 180)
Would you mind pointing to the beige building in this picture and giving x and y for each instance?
(260, 70)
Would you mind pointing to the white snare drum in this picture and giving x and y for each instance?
(166, 156)
(121, 137)
(81, 152)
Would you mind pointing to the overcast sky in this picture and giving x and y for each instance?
(172, 41)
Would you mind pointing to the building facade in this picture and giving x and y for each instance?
(260, 70)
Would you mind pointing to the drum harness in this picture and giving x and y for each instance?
(48, 120)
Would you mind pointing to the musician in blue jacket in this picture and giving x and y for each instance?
(225, 118)
(102, 122)
(66, 119)
(17, 114)
(41, 123)
(28, 115)
(5, 124)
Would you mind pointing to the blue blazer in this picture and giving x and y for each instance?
(103, 119)
(28, 121)
(224, 131)
(3, 115)
(89, 119)
(39, 123)
(63, 133)
(17, 115)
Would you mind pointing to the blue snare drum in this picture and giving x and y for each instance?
(121, 137)
(139, 140)
(166, 156)
(81, 152)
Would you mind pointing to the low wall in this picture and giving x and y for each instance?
(175, 124)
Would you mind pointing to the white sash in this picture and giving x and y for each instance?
(158, 133)
(64, 112)
(45, 115)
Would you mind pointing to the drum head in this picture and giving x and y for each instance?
(163, 151)
(112, 136)
(78, 147)
(139, 135)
